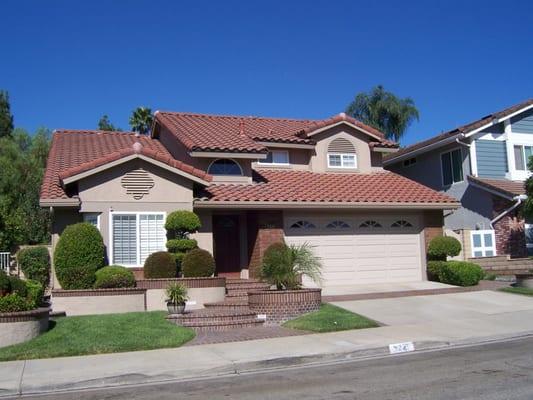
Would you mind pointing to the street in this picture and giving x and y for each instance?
(502, 370)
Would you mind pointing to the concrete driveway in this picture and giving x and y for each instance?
(451, 308)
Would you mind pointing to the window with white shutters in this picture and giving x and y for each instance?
(125, 239)
(151, 234)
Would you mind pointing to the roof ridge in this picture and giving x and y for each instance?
(93, 131)
(233, 116)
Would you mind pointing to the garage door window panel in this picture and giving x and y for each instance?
(401, 224)
(338, 224)
(370, 224)
(303, 225)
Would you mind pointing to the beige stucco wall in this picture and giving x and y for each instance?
(18, 332)
(156, 298)
(87, 305)
(204, 236)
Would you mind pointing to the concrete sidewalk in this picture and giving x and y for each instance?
(41, 376)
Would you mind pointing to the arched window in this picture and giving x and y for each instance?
(303, 225)
(402, 224)
(224, 166)
(341, 154)
(370, 224)
(337, 225)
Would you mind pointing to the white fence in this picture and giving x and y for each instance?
(5, 261)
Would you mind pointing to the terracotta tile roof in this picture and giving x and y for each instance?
(240, 134)
(506, 187)
(76, 151)
(462, 129)
(304, 186)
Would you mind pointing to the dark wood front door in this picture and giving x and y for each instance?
(227, 245)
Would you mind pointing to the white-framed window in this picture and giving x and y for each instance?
(409, 162)
(92, 218)
(451, 167)
(338, 224)
(225, 166)
(276, 157)
(521, 156)
(483, 243)
(338, 160)
(136, 235)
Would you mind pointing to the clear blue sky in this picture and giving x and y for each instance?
(65, 63)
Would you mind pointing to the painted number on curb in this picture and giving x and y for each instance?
(401, 347)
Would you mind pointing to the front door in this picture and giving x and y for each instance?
(227, 245)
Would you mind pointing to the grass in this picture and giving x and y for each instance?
(97, 334)
(518, 290)
(330, 318)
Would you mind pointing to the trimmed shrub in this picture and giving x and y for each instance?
(180, 223)
(198, 263)
(160, 264)
(489, 276)
(441, 247)
(35, 263)
(79, 253)
(433, 269)
(460, 273)
(14, 303)
(18, 286)
(114, 276)
(35, 293)
(4, 283)
(179, 245)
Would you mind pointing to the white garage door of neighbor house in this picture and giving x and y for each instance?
(361, 250)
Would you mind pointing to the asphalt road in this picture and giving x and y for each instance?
(495, 371)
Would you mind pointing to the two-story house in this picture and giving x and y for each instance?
(253, 181)
(483, 165)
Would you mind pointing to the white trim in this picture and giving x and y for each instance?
(342, 155)
(231, 159)
(327, 127)
(74, 202)
(288, 145)
(137, 236)
(275, 163)
(385, 149)
(473, 158)
(423, 149)
(483, 249)
(220, 154)
(492, 191)
(451, 158)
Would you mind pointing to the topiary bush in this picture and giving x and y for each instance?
(14, 303)
(114, 276)
(78, 254)
(181, 223)
(181, 245)
(160, 264)
(441, 247)
(434, 268)
(35, 263)
(198, 263)
(460, 273)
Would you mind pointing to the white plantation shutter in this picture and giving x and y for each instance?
(152, 235)
(125, 239)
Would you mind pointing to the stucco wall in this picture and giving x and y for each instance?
(87, 305)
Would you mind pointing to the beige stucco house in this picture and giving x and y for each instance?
(253, 181)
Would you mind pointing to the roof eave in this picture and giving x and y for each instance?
(72, 202)
(327, 127)
(227, 154)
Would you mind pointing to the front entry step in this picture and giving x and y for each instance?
(215, 319)
(228, 305)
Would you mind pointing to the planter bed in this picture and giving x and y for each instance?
(200, 291)
(282, 305)
(99, 301)
(18, 327)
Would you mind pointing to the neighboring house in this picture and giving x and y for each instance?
(483, 165)
(253, 181)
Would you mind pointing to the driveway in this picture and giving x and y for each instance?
(450, 308)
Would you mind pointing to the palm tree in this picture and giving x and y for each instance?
(384, 111)
(141, 120)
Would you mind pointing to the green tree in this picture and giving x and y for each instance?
(6, 118)
(384, 111)
(104, 124)
(141, 120)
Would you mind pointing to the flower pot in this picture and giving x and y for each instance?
(175, 308)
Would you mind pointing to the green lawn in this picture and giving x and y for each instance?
(96, 334)
(330, 318)
(518, 290)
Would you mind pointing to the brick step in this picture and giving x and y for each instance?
(237, 296)
(235, 305)
(508, 271)
(213, 319)
(240, 280)
(247, 286)
(232, 293)
(508, 266)
(217, 326)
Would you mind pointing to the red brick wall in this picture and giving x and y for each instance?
(264, 229)
(509, 230)
(433, 222)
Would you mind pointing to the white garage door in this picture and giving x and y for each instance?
(360, 250)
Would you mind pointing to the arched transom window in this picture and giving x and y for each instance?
(224, 166)
(402, 224)
(370, 224)
(303, 224)
(338, 225)
(341, 154)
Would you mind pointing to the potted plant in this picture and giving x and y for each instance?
(176, 298)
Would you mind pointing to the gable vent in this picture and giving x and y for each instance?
(137, 183)
(341, 145)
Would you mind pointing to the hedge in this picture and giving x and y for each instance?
(4, 282)
(35, 263)
(160, 264)
(14, 303)
(198, 263)
(460, 273)
(79, 253)
(114, 276)
(35, 293)
(441, 247)
(434, 268)
(18, 286)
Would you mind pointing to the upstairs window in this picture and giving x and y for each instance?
(521, 157)
(224, 166)
(341, 154)
(452, 167)
(276, 157)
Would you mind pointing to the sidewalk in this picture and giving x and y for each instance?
(39, 376)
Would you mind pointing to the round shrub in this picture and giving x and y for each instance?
(35, 293)
(441, 247)
(160, 264)
(198, 263)
(14, 303)
(433, 269)
(35, 263)
(181, 222)
(17, 286)
(78, 254)
(4, 283)
(460, 273)
(177, 245)
(114, 276)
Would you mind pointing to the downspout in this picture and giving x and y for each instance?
(462, 143)
(519, 199)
